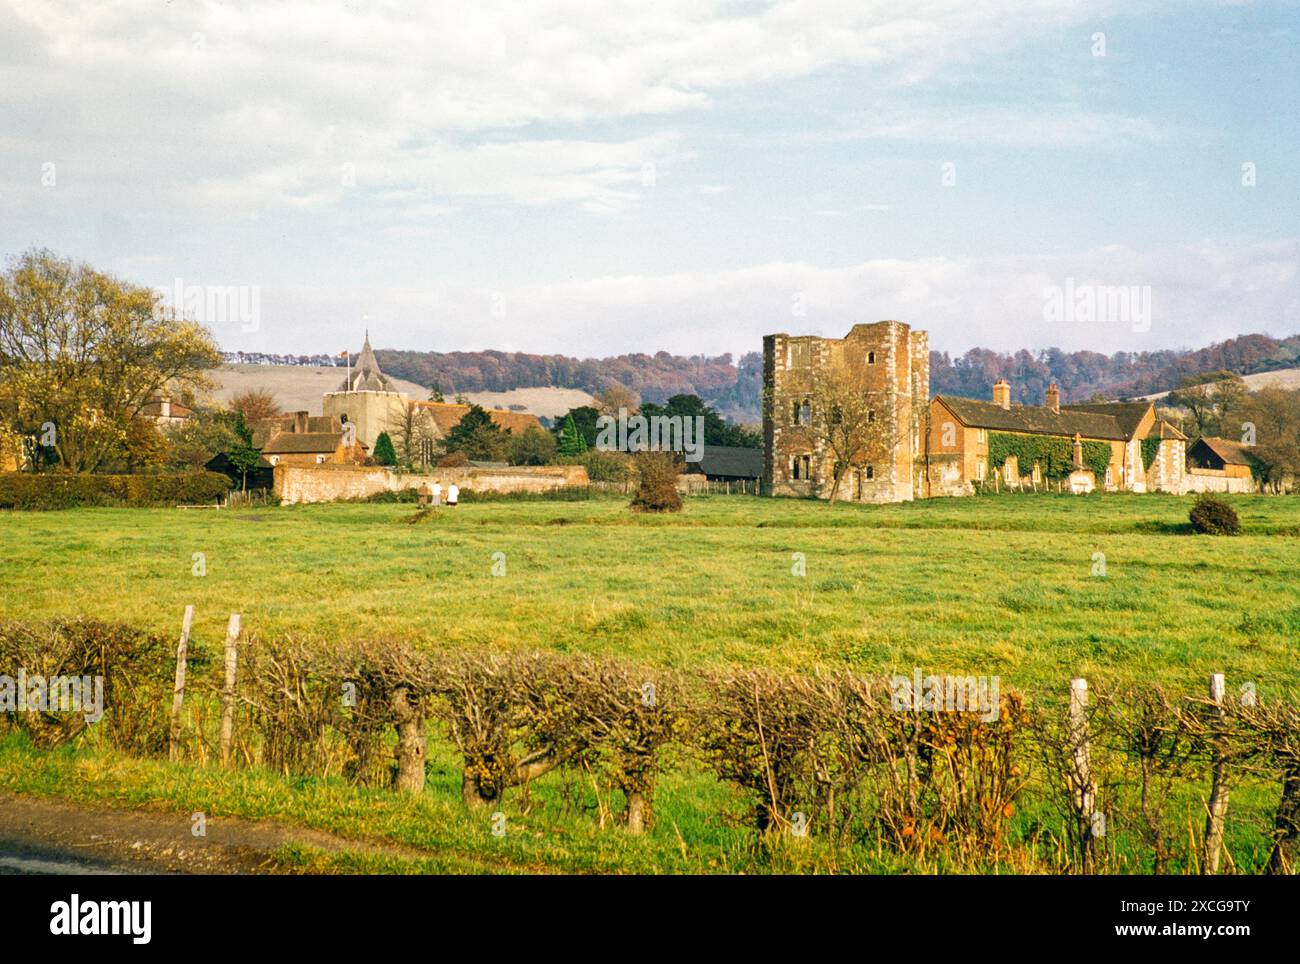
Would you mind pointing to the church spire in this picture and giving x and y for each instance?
(366, 376)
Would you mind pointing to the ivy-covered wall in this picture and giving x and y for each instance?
(1150, 446)
(1054, 454)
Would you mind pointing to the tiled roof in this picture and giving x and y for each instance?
(154, 409)
(1233, 453)
(301, 443)
(264, 429)
(447, 415)
(1111, 420)
(731, 460)
(1164, 430)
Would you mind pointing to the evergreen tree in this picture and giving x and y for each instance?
(242, 454)
(479, 437)
(570, 441)
(384, 453)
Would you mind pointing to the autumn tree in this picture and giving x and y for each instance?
(81, 351)
(412, 434)
(615, 397)
(1272, 416)
(849, 420)
(255, 404)
(1210, 400)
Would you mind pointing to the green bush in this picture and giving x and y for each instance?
(1214, 517)
(384, 452)
(27, 490)
(603, 466)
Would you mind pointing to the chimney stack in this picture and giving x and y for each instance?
(1002, 393)
(1054, 398)
(299, 423)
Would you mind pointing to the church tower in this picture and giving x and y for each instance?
(367, 399)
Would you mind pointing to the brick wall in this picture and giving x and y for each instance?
(330, 483)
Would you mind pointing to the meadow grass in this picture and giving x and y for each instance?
(985, 586)
(1004, 586)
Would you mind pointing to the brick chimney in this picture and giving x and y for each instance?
(1002, 393)
(299, 423)
(1054, 398)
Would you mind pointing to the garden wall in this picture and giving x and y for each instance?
(330, 483)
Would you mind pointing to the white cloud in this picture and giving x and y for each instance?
(236, 106)
(1200, 293)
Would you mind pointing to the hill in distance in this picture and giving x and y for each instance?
(552, 384)
(300, 387)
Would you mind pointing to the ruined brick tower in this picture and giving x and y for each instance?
(893, 363)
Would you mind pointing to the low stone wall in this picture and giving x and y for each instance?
(1215, 480)
(330, 483)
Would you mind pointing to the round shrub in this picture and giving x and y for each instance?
(1214, 517)
(658, 489)
(453, 460)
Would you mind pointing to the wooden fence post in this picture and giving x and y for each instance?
(1085, 797)
(1217, 807)
(228, 691)
(178, 694)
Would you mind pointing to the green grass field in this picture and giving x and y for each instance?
(985, 586)
(988, 586)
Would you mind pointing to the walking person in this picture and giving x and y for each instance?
(453, 495)
(437, 493)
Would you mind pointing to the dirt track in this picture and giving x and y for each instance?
(41, 835)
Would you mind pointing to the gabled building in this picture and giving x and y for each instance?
(165, 412)
(1124, 444)
(1220, 465)
(728, 463)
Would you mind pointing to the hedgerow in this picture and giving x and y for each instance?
(54, 490)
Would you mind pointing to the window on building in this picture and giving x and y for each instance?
(1110, 476)
(982, 437)
(836, 416)
(980, 470)
(275, 460)
(801, 467)
(803, 413)
(871, 471)
(871, 358)
(871, 415)
(320, 460)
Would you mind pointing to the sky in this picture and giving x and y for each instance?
(595, 178)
